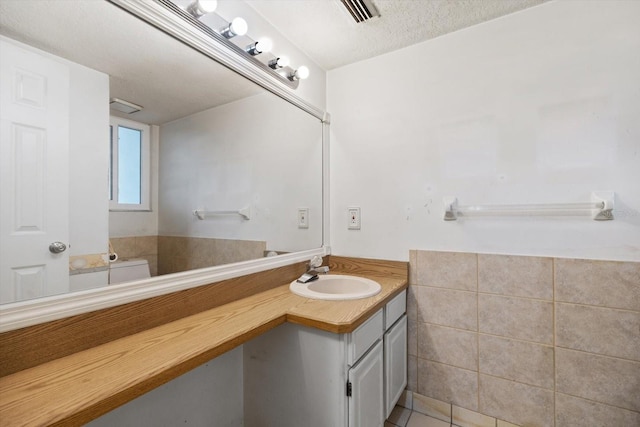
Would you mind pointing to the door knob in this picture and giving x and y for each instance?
(57, 247)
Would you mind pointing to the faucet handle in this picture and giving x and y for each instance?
(315, 262)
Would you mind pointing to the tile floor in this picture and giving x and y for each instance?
(415, 410)
(403, 417)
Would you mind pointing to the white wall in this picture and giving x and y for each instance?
(260, 152)
(540, 106)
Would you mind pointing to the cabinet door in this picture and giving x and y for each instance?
(366, 402)
(395, 363)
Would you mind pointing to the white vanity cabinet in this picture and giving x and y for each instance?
(296, 375)
(395, 351)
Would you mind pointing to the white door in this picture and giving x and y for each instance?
(34, 187)
(395, 363)
(366, 403)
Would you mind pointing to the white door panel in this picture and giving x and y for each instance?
(34, 183)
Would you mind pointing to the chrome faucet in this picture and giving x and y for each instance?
(313, 269)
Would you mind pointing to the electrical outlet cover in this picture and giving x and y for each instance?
(303, 217)
(354, 218)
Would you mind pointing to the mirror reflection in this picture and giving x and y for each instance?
(211, 170)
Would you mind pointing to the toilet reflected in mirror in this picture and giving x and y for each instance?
(126, 271)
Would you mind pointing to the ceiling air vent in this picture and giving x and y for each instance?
(361, 10)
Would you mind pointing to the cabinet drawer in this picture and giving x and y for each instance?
(364, 337)
(395, 309)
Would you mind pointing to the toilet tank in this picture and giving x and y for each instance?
(125, 271)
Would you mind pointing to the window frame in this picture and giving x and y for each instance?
(145, 166)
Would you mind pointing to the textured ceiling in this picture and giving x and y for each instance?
(326, 32)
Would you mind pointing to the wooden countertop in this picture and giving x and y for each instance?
(82, 386)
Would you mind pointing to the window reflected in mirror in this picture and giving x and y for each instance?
(129, 167)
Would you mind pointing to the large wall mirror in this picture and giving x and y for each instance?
(234, 171)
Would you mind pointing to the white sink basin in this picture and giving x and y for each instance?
(336, 287)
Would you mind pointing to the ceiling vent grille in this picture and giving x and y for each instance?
(361, 10)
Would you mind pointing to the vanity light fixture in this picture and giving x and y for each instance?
(199, 24)
(237, 27)
(261, 46)
(279, 62)
(299, 74)
(201, 7)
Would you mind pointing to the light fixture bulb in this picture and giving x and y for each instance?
(264, 45)
(261, 46)
(238, 27)
(283, 61)
(201, 7)
(302, 73)
(280, 62)
(208, 6)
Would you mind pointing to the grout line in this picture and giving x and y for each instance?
(515, 296)
(544, 344)
(518, 382)
(417, 336)
(452, 289)
(477, 332)
(583, 304)
(599, 354)
(555, 332)
(455, 328)
(447, 364)
(598, 307)
(452, 327)
(598, 402)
